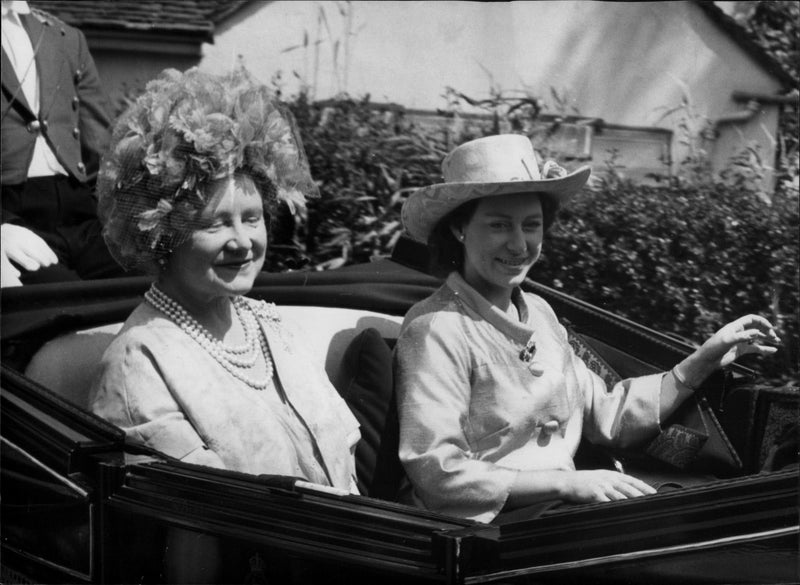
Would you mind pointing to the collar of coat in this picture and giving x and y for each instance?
(520, 331)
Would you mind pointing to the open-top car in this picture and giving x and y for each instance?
(82, 505)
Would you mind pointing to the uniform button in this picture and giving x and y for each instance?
(76, 133)
(75, 102)
(33, 126)
(44, 124)
(550, 427)
(81, 167)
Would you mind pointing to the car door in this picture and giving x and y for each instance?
(49, 496)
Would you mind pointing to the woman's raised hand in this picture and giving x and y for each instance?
(748, 334)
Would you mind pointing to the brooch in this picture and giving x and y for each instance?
(267, 314)
(527, 353)
(266, 311)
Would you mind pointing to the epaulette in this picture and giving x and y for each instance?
(46, 18)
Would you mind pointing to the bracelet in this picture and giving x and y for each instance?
(681, 380)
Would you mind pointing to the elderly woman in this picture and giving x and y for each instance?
(493, 401)
(199, 371)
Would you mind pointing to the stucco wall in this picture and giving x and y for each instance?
(624, 62)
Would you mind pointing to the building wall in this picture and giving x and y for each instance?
(626, 62)
(125, 72)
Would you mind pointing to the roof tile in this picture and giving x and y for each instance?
(175, 16)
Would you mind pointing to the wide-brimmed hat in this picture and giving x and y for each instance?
(495, 165)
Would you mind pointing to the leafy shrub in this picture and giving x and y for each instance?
(681, 260)
(365, 160)
(684, 257)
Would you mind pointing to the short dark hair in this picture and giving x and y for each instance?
(447, 253)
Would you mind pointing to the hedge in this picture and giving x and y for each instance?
(682, 260)
(683, 257)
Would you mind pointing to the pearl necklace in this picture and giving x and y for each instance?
(236, 355)
(234, 359)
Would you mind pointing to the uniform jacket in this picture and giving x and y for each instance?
(473, 412)
(167, 392)
(73, 113)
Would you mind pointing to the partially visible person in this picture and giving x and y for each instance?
(9, 274)
(55, 127)
(199, 371)
(492, 400)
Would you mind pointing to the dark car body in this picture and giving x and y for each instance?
(81, 505)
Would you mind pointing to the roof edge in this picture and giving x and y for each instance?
(742, 38)
(184, 32)
(163, 43)
(228, 9)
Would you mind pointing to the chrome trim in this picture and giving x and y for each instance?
(636, 555)
(50, 564)
(92, 541)
(82, 492)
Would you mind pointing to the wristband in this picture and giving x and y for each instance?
(681, 380)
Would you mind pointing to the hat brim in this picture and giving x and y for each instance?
(426, 206)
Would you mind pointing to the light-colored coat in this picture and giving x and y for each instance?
(166, 392)
(473, 413)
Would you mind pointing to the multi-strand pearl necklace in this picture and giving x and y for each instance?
(236, 360)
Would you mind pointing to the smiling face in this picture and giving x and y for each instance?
(502, 240)
(225, 254)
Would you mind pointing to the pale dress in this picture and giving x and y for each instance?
(473, 413)
(166, 392)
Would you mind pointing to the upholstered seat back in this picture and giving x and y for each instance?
(67, 364)
(349, 343)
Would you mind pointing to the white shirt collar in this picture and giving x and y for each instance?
(17, 6)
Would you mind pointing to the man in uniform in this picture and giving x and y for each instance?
(55, 127)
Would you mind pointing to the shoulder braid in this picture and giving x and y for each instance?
(47, 18)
